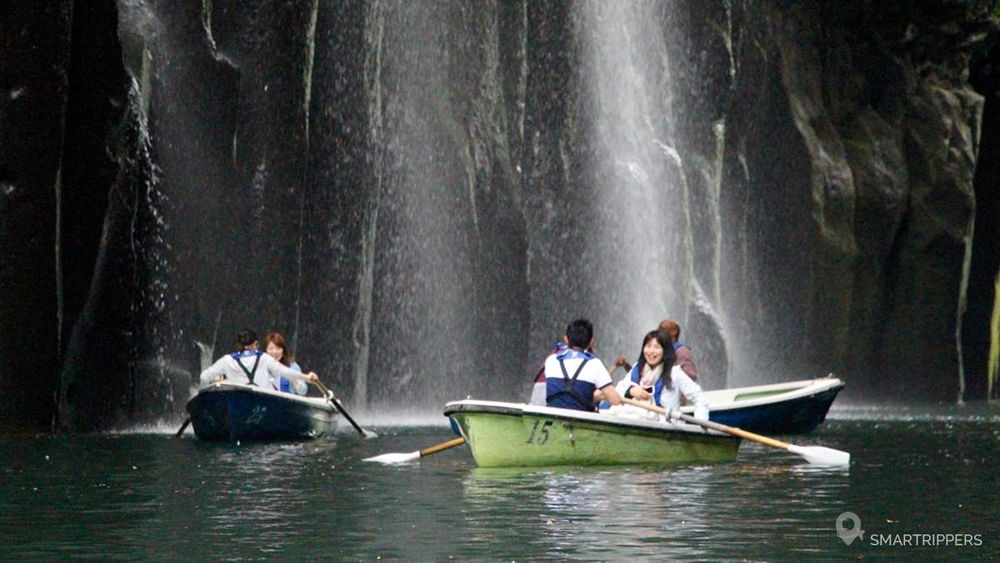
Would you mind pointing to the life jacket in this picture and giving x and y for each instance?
(578, 391)
(246, 354)
(635, 376)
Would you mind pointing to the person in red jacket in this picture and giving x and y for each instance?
(684, 357)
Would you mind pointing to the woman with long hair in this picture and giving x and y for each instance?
(277, 348)
(654, 376)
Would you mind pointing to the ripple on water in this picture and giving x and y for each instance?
(114, 496)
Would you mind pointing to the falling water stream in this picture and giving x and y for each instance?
(639, 275)
(423, 194)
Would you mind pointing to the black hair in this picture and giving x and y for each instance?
(579, 333)
(669, 356)
(245, 338)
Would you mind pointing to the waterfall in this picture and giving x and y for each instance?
(638, 193)
(423, 194)
(423, 321)
(618, 233)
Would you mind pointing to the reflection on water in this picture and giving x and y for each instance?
(651, 512)
(137, 496)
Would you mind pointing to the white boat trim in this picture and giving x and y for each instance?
(311, 401)
(603, 417)
(725, 399)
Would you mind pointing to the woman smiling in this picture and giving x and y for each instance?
(650, 378)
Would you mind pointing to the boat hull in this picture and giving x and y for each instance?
(227, 412)
(799, 409)
(517, 435)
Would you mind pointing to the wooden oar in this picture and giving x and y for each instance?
(399, 458)
(817, 455)
(183, 427)
(340, 407)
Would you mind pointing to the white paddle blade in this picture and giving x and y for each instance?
(369, 434)
(394, 458)
(818, 455)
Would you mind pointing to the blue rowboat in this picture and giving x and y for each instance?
(227, 412)
(795, 407)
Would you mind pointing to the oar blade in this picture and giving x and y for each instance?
(369, 433)
(394, 458)
(818, 455)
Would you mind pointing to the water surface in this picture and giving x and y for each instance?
(146, 495)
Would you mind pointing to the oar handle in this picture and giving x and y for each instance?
(735, 431)
(443, 446)
(322, 388)
(713, 425)
(813, 454)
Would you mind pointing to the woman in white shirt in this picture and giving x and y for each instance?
(646, 380)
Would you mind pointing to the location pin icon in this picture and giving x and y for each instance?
(849, 534)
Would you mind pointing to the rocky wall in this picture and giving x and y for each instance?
(407, 191)
(34, 87)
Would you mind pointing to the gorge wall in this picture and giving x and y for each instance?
(422, 194)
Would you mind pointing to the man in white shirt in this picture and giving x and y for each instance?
(249, 363)
(572, 377)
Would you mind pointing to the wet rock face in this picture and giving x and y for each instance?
(291, 150)
(981, 353)
(35, 40)
(413, 192)
(853, 221)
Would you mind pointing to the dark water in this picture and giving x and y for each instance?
(150, 496)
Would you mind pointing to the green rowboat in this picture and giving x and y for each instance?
(520, 435)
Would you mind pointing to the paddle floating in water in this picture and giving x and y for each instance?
(817, 455)
(400, 458)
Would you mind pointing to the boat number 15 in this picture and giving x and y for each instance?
(539, 432)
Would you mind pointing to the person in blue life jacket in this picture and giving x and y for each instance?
(656, 377)
(276, 347)
(250, 366)
(573, 376)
